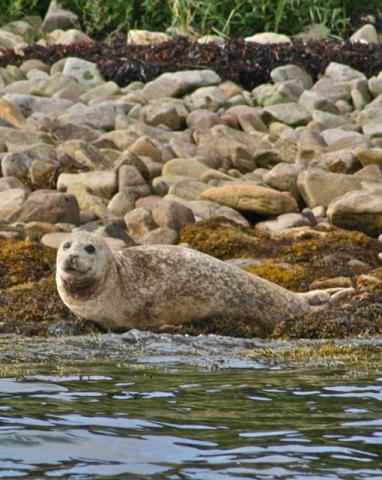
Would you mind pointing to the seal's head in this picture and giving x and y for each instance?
(83, 261)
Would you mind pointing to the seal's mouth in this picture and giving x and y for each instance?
(80, 288)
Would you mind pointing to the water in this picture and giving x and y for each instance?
(163, 419)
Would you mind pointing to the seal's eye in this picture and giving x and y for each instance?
(90, 248)
(66, 245)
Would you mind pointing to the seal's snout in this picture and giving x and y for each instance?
(72, 263)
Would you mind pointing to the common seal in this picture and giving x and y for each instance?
(146, 287)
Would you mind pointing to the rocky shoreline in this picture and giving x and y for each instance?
(278, 172)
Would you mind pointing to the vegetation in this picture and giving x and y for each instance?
(226, 17)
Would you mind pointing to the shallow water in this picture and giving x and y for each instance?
(138, 416)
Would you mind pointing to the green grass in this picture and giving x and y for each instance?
(224, 17)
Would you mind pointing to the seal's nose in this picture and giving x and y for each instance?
(73, 261)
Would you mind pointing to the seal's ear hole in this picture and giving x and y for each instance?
(90, 248)
(66, 245)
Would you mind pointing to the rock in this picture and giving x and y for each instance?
(358, 210)
(268, 37)
(17, 139)
(11, 200)
(331, 89)
(99, 116)
(289, 113)
(252, 198)
(338, 139)
(90, 157)
(203, 119)
(42, 174)
(342, 73)
(340, 161)
(203, 209)
(171, 113)
(71, 37)
(139, 222)
(311, 101)
(185, 167)
(103, 90)
(29, 104)
(188, 189)
(121, 203)
(371, 170)
(11, 41)
(160, 236)
(171, 214)
(366, 34)
(89, 202)
(369, 156)
(146, 147)
(283, 177)
(210, 98)
(371, 114)
(145, 37)
(131, 182)
(57, 17)
(17, 164)
(318, 187)
(330, 120)
(101, 183)
(248, 118)
(6, 183)
(69, 131)
(178, 83)
(335, 282)
(85, 72)
(12, 114)
(291, 72)
(282, 222)
(48, 206)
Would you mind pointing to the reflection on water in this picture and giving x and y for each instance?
(179, 423)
